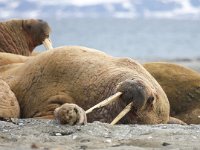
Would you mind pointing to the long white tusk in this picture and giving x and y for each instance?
(47, 44)
(105, 102)
(122, 113)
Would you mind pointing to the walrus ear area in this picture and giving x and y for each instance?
(149, 103)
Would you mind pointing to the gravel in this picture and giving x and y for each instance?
(30, 134)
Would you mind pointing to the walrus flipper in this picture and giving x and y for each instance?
(8, 58)
(61, 107)
(70, 114)
(9, 106)
(173, 120)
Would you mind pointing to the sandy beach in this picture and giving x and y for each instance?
(47, 135)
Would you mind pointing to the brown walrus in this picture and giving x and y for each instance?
(182, 86)
(22, 36)
(8, 58)
(9, 107)
(67, 80)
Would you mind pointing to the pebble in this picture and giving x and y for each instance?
(108, 140)
(58, 134)
(74, 137)
(20, 124)
(194, 137)
(165, 144)
(4, 130)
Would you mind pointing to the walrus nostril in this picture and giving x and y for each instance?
(150, 100)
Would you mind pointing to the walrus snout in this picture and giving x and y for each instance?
(38, 30)
(135, 91)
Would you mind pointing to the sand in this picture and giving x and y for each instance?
(48, 135)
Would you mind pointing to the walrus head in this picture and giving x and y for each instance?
(22, 36)
(37, 32)
(147, 107)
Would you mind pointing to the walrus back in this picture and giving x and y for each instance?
(86, 75)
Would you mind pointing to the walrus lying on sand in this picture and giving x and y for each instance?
(68, 80)
(22, 36)
(182, 86)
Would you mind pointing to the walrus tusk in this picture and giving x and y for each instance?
(47, 44)
(122, 113)
(105, 102)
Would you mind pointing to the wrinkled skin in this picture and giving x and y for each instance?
(22, 36)
(51, 83)
(182, 86)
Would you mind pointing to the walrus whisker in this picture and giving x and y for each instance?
(47, 44)
(122, 113)
(105, 102)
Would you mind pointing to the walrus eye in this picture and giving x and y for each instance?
(29, 27)
(40, 20)
(150, 100)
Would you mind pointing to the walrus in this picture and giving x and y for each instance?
(66, 81)
(9, 107)
(22, 36)
(9, 58)
(182, 86)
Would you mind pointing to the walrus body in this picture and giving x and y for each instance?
(182, 86)
(22, 36)
(83, 76)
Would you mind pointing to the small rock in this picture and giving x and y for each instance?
(34, 146)
(83, 147)
(85, 140)
(194, 137)
(164, 127)
(20, 124)
(165, 144)
(108, 140)
(4, 130)
(58, 134)
(74, 137)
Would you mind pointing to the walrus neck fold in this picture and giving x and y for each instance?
(8, 30)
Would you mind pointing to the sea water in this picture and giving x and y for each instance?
(136, 38)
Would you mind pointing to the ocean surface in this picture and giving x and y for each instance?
(139, 39)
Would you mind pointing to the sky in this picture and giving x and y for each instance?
(85, 8)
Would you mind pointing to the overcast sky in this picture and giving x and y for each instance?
(10, 8)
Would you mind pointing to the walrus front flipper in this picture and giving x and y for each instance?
(8, 58)
(173, 120)
(9, 107)
(70, 114)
